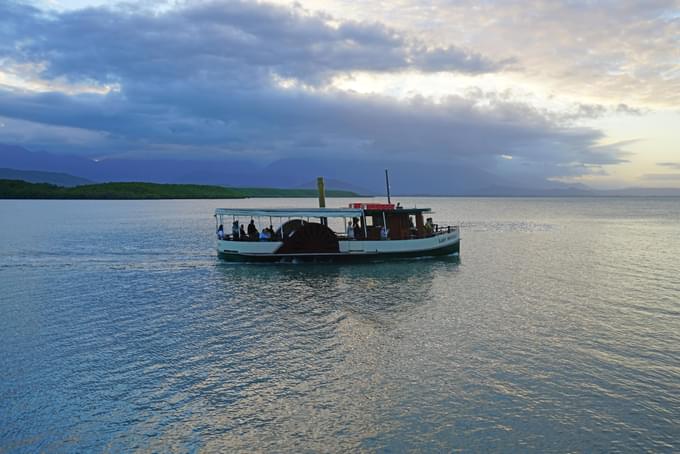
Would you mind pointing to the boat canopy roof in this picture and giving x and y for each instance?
(291, 212)
(400, 211)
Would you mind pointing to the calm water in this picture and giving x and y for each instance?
(558, 330)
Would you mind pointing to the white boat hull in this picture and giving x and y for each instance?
(443, 243)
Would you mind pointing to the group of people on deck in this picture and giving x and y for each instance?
(354, 231)
(239, 233)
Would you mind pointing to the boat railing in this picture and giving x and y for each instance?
(449, 228)
(444, 229)
(249, 239)
(436, 230)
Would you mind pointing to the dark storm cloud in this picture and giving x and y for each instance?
(218, 38)
(203, 78)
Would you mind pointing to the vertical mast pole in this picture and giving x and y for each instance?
(387, 183)
(322, 197)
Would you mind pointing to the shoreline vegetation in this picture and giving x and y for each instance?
(19, 189)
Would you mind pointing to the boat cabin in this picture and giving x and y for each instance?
(402, 223)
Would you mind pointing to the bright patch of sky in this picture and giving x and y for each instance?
(609, 53)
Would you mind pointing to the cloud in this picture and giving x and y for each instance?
(217, 37)
(248, 79)
(456, 59)
(662, 176)
(580, 111)
(622, 51)
(672, 165)
(589, 111)
(629, 110)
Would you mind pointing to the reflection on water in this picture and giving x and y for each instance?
(548, 334)
(325, 335)
(365, 286)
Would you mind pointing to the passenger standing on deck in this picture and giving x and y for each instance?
(357, 229)
(253, 234)
(220, 232)
(412, 230)
(234, 230)
(429, 227)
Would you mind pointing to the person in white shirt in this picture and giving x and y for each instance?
(429, 227)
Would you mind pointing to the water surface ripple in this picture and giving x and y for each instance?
(558, 330)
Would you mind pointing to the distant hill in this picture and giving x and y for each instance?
(337, 184)
(641, 192)
(15, 189)
(496, 191)
(447, 178)
(35, 176)
(406, 177)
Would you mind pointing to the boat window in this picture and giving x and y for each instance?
(369, 221)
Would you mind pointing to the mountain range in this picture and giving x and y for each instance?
(36, 176)
(365, 177)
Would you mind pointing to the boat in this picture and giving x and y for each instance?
(359, 232)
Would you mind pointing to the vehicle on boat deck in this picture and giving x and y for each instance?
(363, 231)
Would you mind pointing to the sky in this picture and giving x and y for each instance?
(574, 91)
